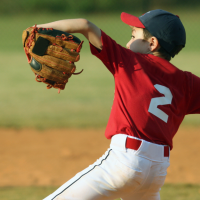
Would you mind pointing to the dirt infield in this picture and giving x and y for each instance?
(51, 157)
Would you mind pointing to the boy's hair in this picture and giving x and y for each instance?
(161, 52)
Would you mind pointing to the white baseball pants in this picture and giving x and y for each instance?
(120, 173)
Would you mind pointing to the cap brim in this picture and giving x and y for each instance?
(131, 20)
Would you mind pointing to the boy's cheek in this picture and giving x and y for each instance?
(139, 46)
(136, 46)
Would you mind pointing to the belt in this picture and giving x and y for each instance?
(134, 144)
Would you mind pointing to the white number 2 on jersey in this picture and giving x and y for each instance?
(155, 102)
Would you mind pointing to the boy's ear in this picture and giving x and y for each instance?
(154, 44)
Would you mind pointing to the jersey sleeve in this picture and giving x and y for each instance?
(194, 94)
(112, 54)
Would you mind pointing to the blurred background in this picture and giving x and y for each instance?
(91, 93)
(28, 109)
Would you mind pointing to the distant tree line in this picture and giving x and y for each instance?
(87, 6)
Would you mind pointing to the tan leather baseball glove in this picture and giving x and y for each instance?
(51, 54)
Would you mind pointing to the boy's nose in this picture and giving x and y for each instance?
(128, 45)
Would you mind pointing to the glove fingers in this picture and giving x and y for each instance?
(69, 44)
(52, 74)
(65, 54)
(65, 44)
(56, 63)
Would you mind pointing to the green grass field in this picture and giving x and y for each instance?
(175, 192)
(87, 99)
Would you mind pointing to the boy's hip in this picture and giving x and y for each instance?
(138, 147)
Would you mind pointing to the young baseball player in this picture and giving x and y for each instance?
(151, 99)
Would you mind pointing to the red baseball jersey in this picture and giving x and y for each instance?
(152, 96)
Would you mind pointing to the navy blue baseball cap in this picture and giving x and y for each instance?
(165, 26)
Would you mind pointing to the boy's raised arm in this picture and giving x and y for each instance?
(83, 26)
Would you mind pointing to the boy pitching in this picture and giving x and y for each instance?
(151, 99)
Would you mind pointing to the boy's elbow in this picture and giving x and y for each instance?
(84, 25)
(92, 33)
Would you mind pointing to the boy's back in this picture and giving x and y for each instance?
(152, 96)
